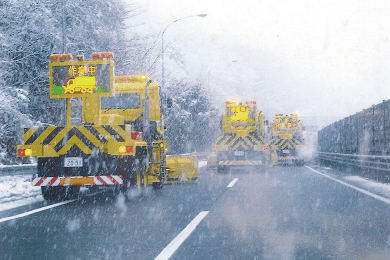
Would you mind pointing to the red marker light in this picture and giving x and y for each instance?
(21, 152)
(129, 149)
(136, 135)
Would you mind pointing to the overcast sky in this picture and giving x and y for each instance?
(316, 58)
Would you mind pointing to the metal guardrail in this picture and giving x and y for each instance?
(374, 162)
(17, 169)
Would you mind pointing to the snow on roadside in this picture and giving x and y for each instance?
(202, 163)
(382, 189)
(16, 191)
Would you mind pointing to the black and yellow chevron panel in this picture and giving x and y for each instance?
(55, 141)
(236, 142)
(286, 143)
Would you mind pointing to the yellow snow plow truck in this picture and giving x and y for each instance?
(242, 143)
(286, 140)
(120, 142)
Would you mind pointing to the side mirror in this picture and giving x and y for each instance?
(169, 102)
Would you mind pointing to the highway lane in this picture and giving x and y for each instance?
(97, 227)
(285, 213)
(291, 213)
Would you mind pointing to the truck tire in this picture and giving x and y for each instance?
(223, 169)
(157, 185)
(59, 193)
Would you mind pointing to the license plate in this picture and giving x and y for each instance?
(239, 153)
(73, 162)
(286, 151)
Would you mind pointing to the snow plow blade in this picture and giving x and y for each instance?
(212, 161)
(182, 169)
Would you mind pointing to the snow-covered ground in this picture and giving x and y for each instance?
(16, 191)
(382, 189)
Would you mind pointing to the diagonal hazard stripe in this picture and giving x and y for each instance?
(237, 146)
(32, 138)
(287, 144)
(113, 133)
(218, 139)
(252, 141)
(74, 141)
(278, 143)
(80, 137)
(99, 136)
(255, 136)
(224, 139)
(240, 140)
(297, 141)
(51, 136)
(91, 137)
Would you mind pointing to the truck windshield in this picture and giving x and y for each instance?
(121, 101)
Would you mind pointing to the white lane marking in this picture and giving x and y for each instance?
(179, 239)
(35, 211)
(232, 183)
(385, 200)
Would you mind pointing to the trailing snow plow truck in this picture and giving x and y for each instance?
(120, 142)
(242, 143)
(286, 140)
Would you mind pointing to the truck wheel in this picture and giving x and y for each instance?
(223, 169)
(157, 185)
(130, 181)
(59, 193)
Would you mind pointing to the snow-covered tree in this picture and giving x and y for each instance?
(189, 119)
(30, 31)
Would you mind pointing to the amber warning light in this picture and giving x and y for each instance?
(125, 149)
(61, 57)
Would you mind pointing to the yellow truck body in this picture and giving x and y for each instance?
(286, 140)
(120, 143)
(242, 143)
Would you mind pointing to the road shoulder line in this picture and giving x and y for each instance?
(385, 200)
(35, 211)
(179, 239)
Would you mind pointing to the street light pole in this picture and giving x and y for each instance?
(208, 79)
(162, 44)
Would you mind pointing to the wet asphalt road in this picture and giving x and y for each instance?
(285, 213)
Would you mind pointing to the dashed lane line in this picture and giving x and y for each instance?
(179, 239)
(232, 183)
(385, 200)
(35, 211)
